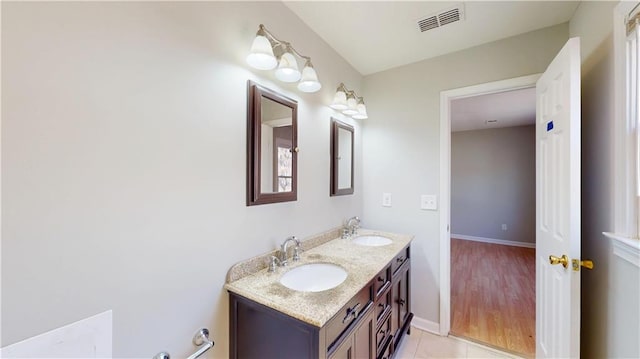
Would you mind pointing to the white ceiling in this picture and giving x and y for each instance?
(378, 35)
(511, 108)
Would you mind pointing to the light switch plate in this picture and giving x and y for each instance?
(428, 202)
(386, 200)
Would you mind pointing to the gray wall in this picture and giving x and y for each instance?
(402, 139)
(123, 164)
(493, 182)
(611, 292)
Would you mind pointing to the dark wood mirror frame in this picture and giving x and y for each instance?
(335, 173)
(255, 94)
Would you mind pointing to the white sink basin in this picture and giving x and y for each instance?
(372, 241)
(314, 277)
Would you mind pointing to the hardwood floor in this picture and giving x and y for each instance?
(493, 295)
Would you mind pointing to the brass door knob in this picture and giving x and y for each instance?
(564, 260)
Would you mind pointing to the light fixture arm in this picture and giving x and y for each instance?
(275, 42)
(349, 93)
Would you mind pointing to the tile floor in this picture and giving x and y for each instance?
(423, 345)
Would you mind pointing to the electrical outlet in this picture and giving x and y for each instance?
(386, 200)
(504, 227)
(428, 202)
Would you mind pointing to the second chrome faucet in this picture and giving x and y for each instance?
(351, 229)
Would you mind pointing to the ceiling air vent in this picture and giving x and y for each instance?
(441, 18)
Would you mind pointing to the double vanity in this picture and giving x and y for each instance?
(346, 296)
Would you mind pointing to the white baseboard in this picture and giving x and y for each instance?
(494, 241)
(426, 325)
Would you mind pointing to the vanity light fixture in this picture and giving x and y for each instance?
(349, 103)
(262, 57)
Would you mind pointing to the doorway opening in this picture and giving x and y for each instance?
(493, 198)
(485, 244)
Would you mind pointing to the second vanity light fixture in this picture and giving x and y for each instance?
(262, 58)
(349, 103)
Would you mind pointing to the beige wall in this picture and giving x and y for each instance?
(402, 138)
(493, 182)
(123, 165)
(611, 292)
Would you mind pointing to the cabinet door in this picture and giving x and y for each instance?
(395, 305)
(404, 299)
(345, 350)
(363, 337)
(400, 300)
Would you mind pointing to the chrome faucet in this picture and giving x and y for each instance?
(283, 251)
(353, 224)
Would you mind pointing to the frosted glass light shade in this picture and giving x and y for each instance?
(352, 107)
(261, 56)
(288, 68)
(339, 101)
(309, 81)
(362, 112)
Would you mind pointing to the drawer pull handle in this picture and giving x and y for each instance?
(399, 259)
(380, 279)
(381, 305)
(401, 301)
(351, 312)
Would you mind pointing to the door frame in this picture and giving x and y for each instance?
(445, 177)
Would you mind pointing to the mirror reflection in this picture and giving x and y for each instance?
(341, 158)
(276, 162)
(344, 158)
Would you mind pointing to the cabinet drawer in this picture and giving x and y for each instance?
(383, 305)
(399, 260)
(383, 334)
(348, 316)
(382, 281)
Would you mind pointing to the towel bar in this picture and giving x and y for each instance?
(200, 339)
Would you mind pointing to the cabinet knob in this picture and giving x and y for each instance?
(399, 259)
(401, 301)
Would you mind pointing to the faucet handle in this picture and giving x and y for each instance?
(273, 263)
(296, 253)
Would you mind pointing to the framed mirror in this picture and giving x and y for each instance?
(341, 158)
(272, 149)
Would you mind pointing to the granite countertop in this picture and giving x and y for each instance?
(362, 263)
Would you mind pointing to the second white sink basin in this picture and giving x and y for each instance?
(372, 241)
(314, 277)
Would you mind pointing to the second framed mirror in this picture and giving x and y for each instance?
(341, 158)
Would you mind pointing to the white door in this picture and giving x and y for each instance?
(558, 205)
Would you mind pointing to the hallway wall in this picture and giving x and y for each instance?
(493, 182)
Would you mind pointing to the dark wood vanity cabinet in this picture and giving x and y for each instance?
(369, 326)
